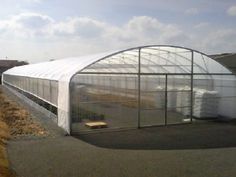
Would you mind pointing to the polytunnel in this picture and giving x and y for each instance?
(137, 87)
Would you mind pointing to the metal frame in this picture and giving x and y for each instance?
(166, 95)
(186, 74)
(139, 87)
(136, 48)
(139, 73)
(191, 97)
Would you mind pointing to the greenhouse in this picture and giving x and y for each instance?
(133, 88)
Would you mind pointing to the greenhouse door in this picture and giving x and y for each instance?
(164, 99)
(152, 100)
(178, 99)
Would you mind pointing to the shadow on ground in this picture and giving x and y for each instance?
(189, 136)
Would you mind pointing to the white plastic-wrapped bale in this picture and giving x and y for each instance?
(183, 101)
(179, 100)
(160, 97)
(205, 104)
(171, 99)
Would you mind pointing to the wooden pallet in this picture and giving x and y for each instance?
(94, 125)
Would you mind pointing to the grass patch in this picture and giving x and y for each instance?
(14, 122)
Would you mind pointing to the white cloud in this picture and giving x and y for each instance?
(232, 11)
(221, 40)
(38, 37)
(140, 29)
(33, 20)
(82, 27)
(202, 25)
(144, 29)
(34, 1)
(192, 11)
(26, 25)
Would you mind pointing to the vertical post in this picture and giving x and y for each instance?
(139, 86)
(50, 90)
(191, 98)
(166, 99)
(70, 106)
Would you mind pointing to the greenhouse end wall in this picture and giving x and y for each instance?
(164, 99)
(139, 88)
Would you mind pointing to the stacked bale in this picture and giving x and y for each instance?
(205, 104)
(172, 99)
(160, 97)
(183, 101)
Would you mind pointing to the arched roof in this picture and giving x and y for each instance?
(154, 59)
(57, 69)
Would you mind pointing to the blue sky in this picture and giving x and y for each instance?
(40, 30)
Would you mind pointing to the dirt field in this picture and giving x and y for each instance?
(14, 122)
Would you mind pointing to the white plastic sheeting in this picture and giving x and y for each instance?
(58, 70)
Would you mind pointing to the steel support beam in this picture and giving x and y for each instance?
(166, 97)
(191, 97)
(139, 87)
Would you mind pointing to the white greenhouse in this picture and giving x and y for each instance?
(138, 87)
